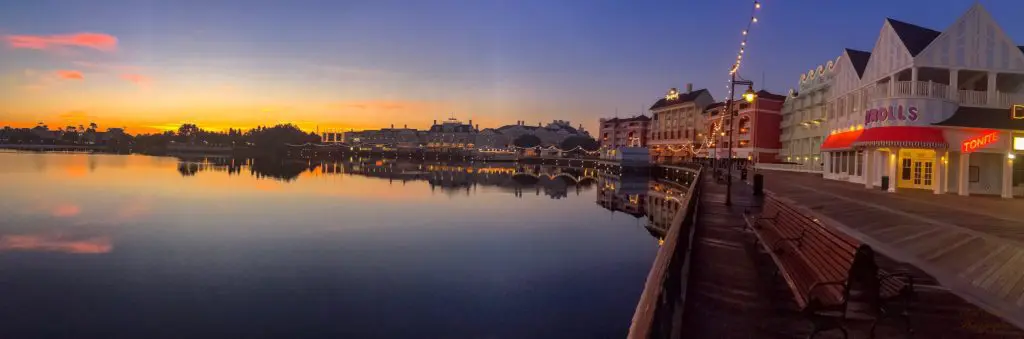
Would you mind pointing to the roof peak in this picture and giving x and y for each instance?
(915, 38)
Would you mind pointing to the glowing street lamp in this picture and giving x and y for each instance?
(750, 95)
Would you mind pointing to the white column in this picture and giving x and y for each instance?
(825, 170)
(945, 172)
(892, 85)
(869, 168)
(913, 81)
(954, 87)
(1008, 167)
(894, 157)
(991, 88)
(963, 185)
(856, 162)
(939, 172)
(1007, 177)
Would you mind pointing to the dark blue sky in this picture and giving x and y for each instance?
(494, 61)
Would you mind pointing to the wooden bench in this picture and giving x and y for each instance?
(833, 278)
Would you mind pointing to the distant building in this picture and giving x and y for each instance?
(803, 116)
(395, 137)
(624, 132)
(490, 138)
(451, 134)
(332, 136)
(676, 120)
(551, 135)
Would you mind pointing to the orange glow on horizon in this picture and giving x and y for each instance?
(56, 243)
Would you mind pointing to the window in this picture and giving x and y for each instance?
(928, 173)
(905, 174)
(974, 174)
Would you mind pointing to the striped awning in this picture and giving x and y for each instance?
(902, 136)
(840, 141)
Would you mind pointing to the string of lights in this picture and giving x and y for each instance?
(743, 43)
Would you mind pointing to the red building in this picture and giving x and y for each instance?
(628, 132)
(755, 131)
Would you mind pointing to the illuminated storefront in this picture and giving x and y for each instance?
(941, 111)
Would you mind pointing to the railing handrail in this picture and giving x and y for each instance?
(643, 320)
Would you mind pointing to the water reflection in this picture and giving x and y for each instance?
(452, 178)
(656, 199)
(99, 245)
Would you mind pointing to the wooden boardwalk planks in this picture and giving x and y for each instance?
(974, 245)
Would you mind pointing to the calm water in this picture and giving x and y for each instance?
(143, 247)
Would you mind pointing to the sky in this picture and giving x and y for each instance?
(356, 64)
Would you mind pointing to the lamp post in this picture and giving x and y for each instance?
(748, 96)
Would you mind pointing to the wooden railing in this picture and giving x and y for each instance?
(661, 302)
(903, 88)
(1007, 100)
(937, 90)
(973, 98)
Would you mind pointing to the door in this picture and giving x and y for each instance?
(916, 169)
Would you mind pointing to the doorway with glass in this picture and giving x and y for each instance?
(917, 169)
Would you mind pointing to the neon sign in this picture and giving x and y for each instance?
(890, 113)
(973, 144)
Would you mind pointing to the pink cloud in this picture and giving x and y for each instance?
(70, 75)
(56, 243)
(137, 79)
(98, 41)
(66, 210)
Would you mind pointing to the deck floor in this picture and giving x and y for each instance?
(734, 292)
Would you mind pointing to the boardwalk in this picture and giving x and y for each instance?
(974, 246)
(734, 293)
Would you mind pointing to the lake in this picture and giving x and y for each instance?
(132, 246)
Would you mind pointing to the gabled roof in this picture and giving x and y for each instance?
(914, 37)
(636, 118)
(859, 59)
(683, 98)
(714, 105)
(770, 96)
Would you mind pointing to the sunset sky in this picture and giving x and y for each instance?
(152, 65)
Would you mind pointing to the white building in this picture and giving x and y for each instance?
(803, 117)
(930, 110)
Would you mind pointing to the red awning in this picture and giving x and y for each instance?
(902, 136)
(840, 140)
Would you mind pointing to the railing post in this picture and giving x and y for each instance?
(954, 85)
(913, 81)
(991, 97)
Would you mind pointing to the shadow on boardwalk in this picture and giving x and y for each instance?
(734, 292)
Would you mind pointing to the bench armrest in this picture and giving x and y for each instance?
(908, 289)
(825, 283)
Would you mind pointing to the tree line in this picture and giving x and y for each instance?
(261, 137)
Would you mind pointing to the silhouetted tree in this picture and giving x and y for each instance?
(526, 140)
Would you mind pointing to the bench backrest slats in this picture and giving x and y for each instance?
(825, 253)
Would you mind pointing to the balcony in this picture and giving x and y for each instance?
(934, 90)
